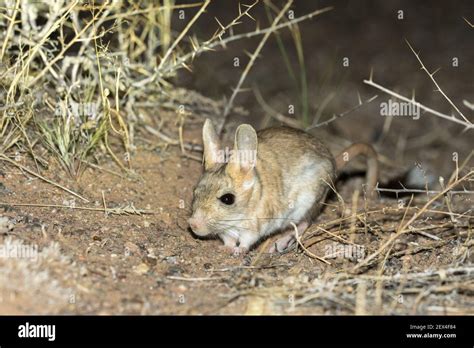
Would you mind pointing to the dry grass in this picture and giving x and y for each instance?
(74, 75)
(396, 273)
(77, 83)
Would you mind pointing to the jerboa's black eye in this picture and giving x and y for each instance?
(228, 198)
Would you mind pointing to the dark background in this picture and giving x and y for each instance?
(370, 34)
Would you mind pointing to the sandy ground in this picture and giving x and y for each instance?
(92, 262)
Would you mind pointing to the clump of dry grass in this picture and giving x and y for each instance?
(391, 258)
(75, 76)
(429, 271)
(77, 79)
(69, 67)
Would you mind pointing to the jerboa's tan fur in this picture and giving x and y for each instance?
(287, 184)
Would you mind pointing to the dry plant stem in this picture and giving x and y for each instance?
(407, 190)
(339, 197)
(124, 135)
(180, 135)
(309, 253)
(263, 248)
(309, 239)
(10, 29)
(217, 36)
(103, 169)
(296, 123)
(416, 276)
(233, 268)
(386, 210)
(342, 114)
(213, 44)
(70, 43)
(249, 65)
(468, 105)
(324, 103)
(151, 10)
(104, 203)
(182, 143)
(6, 159)
(404, 227)
(21, 125)
(171, 141)
(355, 198)
(379, 286)
(447, 198)
(361, 299)
(275, 114)
(455, 174)
(438, 88)
(197, 279)
(35, 49)
(406, 212)
(469, 23)
(116, 211)
(59, 56)
(107, 109)
(183, 33)
(467, 125)
(112, 154)
(338, 237)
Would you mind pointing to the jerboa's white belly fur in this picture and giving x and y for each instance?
(310, 187)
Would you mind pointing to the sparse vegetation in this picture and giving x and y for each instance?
(94, 85)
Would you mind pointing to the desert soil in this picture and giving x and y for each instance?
(92, 262)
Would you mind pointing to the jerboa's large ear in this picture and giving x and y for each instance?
(211, 144)
(244, 155)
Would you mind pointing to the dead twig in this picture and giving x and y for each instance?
(128, 209)
(249, 65)
(404, 226)
(438, 88)
(467, 124)
(197, 279)
(6, 159)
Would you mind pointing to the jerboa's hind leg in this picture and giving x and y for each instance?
(287, 240)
